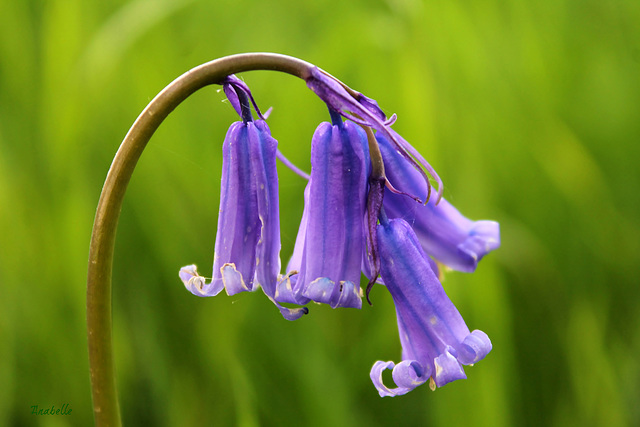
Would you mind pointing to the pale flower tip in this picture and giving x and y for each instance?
(195, 283)
(432, 384)
(474, 347)
(407, 375)
(187, 272)
(376, 377)
(410, 374)
(448, 369)
(233, 280)
(348, 294)
(319, 290)
(483, 238)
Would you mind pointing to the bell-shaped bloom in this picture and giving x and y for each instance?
(247, 249)
(435, 339)
(444, 233)
(328, 251)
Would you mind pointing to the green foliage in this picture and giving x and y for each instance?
(529, 110)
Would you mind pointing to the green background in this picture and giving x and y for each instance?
(529, 110)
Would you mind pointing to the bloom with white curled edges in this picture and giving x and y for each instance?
(247, 249)
(330, 244)
(435, 339)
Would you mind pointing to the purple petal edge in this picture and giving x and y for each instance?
(407, 375)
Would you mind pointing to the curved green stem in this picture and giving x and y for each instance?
(105, 399)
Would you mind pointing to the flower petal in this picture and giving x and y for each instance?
(407, 375)
(347, 294)
(474, 348)
(288, 292)
(343, 294)
(238, 221)
(263, 161)
(410, 374)
(376, 377)
(447, 369)
(196, 284)
(232, 279)
(291, 313)
(263, 148)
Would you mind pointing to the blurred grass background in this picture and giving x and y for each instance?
(529, 110)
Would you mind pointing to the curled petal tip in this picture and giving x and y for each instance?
(286, 290)
(293, 313)
(489, 232)
(407, 375)
(474, 347)
(348, 295)
(187, 272)
(448, 369)
(483, 238)
(319, 290)
(410, 374)
(232, 279)
(342, 294)
(376, 377)
(196, 284)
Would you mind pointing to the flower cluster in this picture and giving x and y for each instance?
(363, 213)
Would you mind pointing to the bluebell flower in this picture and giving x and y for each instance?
(442, 230)
(435, 339)
(327, 257)
(247, 248)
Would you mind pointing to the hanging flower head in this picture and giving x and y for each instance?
(247, 250)
(368, 207)
(435, 339)
(328, 252)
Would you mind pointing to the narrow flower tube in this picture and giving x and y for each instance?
(239, 227)
(443, 231)
(247, 249)
(435, 339)
(330, 243)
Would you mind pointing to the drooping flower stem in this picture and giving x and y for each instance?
(105, 401)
